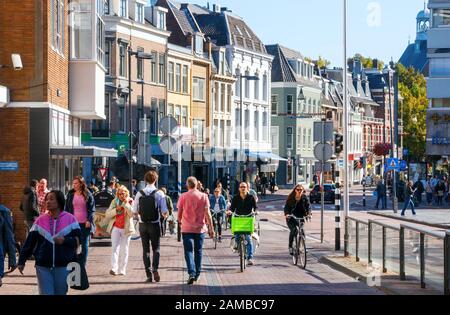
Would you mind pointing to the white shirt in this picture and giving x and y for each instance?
(217, 206)
(159, 196)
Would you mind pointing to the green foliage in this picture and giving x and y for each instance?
(322, 63)
(367, 62)
(413, 108)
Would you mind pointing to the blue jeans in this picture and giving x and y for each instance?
(52, 281)
(383, 201)
(409, 201)
(84, 241)
(429, 198)
(248, 238)
(2, 261)
(193, 248)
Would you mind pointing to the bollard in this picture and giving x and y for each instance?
(337, 202)
(369, 247)
(346, 223)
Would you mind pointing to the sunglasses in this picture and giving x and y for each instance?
(299, 189)
(243, 187)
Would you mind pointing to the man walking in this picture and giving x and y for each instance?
(29, 204)
(149, 203)
(193, 215)
(409, 198)
(381, 194)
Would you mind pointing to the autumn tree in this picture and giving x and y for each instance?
(367, 62)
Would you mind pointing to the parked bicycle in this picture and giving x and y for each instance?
(299, 256)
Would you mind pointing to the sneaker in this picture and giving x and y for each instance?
(149, 279)
(156, 276)
(291, 251)
(196, 278)
(250, 262)
(113, 273)
(220, 239)
(191, 280)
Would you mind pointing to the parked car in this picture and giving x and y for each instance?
(369, 181)
(315, 194)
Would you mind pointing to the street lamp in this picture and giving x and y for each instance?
(139, 55)
(241, 119)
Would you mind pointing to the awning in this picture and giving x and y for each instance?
(266, 156)
(84, 152)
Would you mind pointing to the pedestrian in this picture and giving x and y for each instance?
(440, 192)
(252, 192)
(297, 204)
(429, 191)
(169, 219)
(257, 183)
(218, 206)
(111, 188)
(29, 204)
(53, 240)
(273, 183)
(7, 242)
(41, 191)
(264, 183)
(150, 203)
(80, 203)
(134, 185)
(92, 188)
(244, 204)
(120, 227)
(381, 194)
(419, 188)
(409, 198)
(194, 217)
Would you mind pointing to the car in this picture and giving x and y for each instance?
(368, 181)
(315, 194)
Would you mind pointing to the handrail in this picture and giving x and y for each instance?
(358, 220)
(428, 232)
(386, 225)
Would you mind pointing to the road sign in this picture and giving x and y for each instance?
(393, 165)
(9, 166)
(403, 165)
(103, 172)
(340, 163)
(328, 131)
(168, 125)
(323, 151)
(168, 145)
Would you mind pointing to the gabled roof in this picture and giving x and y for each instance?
(214, 26)
(184, 17)
(243, 36)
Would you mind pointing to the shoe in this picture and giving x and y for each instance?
(250, 262)
(196, 278)
(220, 239)
(149, 279)
(191, 280)
(156, 276)
(291, 251)
(113, 273)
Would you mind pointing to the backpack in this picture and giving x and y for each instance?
(148, 209)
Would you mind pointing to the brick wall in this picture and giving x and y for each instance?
(14, 146)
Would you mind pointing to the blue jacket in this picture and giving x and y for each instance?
(222, 202)
(7, 242)
(90, 205)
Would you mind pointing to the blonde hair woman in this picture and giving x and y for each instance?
(121, 227)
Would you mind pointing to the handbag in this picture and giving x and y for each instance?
(84, 280)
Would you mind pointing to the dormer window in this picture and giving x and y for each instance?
(238, 30)
(161, 20)
(139, 12)
(123, 8)
(198, 44)
(222, 63)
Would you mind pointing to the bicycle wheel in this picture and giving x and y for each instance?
(302, 252)
(216, 234)
(242, 253)
(295, 250)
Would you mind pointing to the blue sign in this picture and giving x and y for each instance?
(393, 165)
(405, 152)
(403, 165)
(9, 166)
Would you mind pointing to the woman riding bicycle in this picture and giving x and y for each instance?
(297, 204)
(218, 206)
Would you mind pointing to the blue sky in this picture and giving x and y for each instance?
(375, 28)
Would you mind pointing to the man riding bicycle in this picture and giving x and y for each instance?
(244, 204)
(218, 206)
(297, 204)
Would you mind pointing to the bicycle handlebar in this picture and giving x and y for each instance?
(307, 218)
(245, 215)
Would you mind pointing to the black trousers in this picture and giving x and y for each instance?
(292, 224)
(219, 217)
(150, 235)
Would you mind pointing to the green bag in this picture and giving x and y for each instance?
(242, 225)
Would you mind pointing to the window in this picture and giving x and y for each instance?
(153, 75)
(304, 138)
(222, 97)
(140, 110)
(274, 107)
(107, 7)
(222, 133)
(238, 83)
(265, 127)
(178, 113)
(153, 116)
(139, 13)
(108, 57)
(100, 33)
(170, 73)
(199, 44)
(229, 98)
(198, 89)
(161, 20)
(440, 102)
(256, 87)
(275, 137)
(57, 20)
(178, 78)
(198, 127)
(247, 86)
(309, 140)
(122, 117)
(184, 116)
(185, 79)
(256, 129)
(247, 124)
(227, 133)
(289, 138)
(161, 109)
(440, 67)
(123, 60)
(100, 128)
(123, 8)
(170, 110)
(299, 137)
(216, 133)
(441, 18)
(140, 63)
(162, 69)
(237, 123)
(222, 63)
(289, 104)
(216, 96)
(265, 88)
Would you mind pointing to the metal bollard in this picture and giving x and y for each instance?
(346, 223)
(337, 234)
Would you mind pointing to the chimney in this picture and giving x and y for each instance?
(375, 63)
(216, 8)
(184, 6)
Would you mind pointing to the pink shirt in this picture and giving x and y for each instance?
(191, 212)
(79, 208)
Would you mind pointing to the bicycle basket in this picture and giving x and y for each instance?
(242, 225)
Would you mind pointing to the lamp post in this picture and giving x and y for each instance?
(241, 119)
(139, 55)
(345, 97)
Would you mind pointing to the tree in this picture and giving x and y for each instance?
(367, 62)
(322, 63)
(412, 88)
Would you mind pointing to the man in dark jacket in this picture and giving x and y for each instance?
(381, 194)
(29, 204)
(7, 243)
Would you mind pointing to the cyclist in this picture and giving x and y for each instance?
(244, 204)
(218, 206)
(297, 204)
(252, 192)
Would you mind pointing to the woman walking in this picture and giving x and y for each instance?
(42, 190)
(120, 228)
(297, 204)
(409, 198)
(53, 240)
(80, 203)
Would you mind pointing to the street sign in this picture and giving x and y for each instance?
(393, 165)
(103, 172)
(328, 131)
(323, 151)
(168, 125)
(403, 165)
(9, 166)
(168, 145)
(340, 163)
(405, 152)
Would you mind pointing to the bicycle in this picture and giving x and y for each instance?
(216, 227)
(243, 225)
(299, 245)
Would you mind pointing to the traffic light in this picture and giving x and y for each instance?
(338, 143)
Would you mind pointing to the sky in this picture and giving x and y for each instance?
(379, 29)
